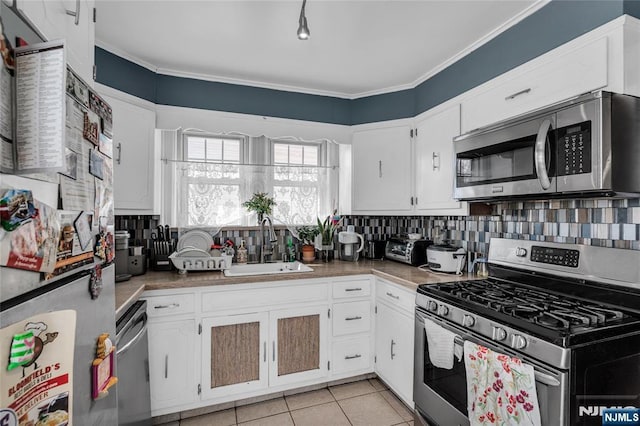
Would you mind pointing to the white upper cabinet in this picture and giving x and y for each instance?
(382, 180)
(434, 164)
(606, 58)
(52, 21)
(136, 159)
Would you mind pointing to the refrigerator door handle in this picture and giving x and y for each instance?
(143, 319)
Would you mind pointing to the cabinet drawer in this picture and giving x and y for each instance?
(176, 304)
(352, 288)
(575, 73)
(261, 297)
(395, 295)
(351, 317)
(351, 355)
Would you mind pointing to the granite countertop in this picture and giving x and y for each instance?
(128, 292)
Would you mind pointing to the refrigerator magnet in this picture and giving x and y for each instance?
(103, 368)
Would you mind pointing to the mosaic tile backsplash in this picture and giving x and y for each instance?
(601, 222)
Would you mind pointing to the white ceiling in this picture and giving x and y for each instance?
(356, 48)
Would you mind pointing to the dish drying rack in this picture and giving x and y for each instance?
(194, 259)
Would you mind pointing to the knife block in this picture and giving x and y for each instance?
(159, 259)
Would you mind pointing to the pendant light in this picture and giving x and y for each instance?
(303, 28)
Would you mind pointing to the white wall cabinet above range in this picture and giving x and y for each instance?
(136, 159)
(52, 21)
(606, 58)
(435, 163)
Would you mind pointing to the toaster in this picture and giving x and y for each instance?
(406, 250)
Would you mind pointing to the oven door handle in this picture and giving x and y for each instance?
(546, 379)
(540, 154)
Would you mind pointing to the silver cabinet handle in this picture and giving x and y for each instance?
(540, 154)
(353, 356)
(75, 13)
(435, 160)
(119, 148)
(353, 289)
(264, 348)
(166, 366)
(169, 306)
(353, 318)
(380, 168)
(392, 354)
(522, 92)
(393, 295)
(274, 351)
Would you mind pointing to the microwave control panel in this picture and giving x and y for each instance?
(574, 149)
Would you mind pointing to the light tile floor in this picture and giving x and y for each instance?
(366, 403)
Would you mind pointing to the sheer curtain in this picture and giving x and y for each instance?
(209, 195)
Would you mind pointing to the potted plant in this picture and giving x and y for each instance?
(327, 229)
(307, 235)
(261, 204)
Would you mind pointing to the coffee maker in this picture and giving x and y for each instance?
(351, 244)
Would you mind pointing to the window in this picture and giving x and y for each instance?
(298, 181)
(211, 194)
(217, 173)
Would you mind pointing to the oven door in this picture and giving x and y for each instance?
(440, 395)
(514, 160)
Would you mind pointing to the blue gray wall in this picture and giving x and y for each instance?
(554, 24)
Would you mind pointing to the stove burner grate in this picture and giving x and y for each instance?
(552, 311)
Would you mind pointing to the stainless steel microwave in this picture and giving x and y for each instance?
(588, 146)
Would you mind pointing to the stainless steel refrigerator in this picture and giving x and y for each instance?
(82, 284)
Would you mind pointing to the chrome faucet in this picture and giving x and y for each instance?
(264, 249)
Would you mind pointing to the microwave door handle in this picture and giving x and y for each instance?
(540, 154)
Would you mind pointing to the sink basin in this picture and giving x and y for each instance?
(266, 269)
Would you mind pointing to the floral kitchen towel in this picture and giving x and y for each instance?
(501, 390)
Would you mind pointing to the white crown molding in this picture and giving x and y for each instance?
(478, 43)
(121, 53)
(351, 96)
(252, 83)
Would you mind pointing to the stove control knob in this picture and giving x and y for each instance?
(444, 311)
(468, 321)
(433, 306)
(499, 334)
(518, 342)
(521, 252)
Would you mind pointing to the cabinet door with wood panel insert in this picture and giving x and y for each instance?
(298, 344)
(234, 354)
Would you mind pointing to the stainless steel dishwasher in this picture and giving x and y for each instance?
(132, 367)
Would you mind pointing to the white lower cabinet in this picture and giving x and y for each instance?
(394, 341)
(234, 354)
(298, 345)
(173, 357)
(214, 345)
(351, 354)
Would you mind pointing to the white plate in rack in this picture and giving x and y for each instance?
(195, 238)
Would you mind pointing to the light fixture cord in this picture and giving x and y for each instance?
(304, 3)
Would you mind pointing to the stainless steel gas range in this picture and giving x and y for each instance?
(570, 311)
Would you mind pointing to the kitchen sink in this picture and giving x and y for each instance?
(237, 270)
